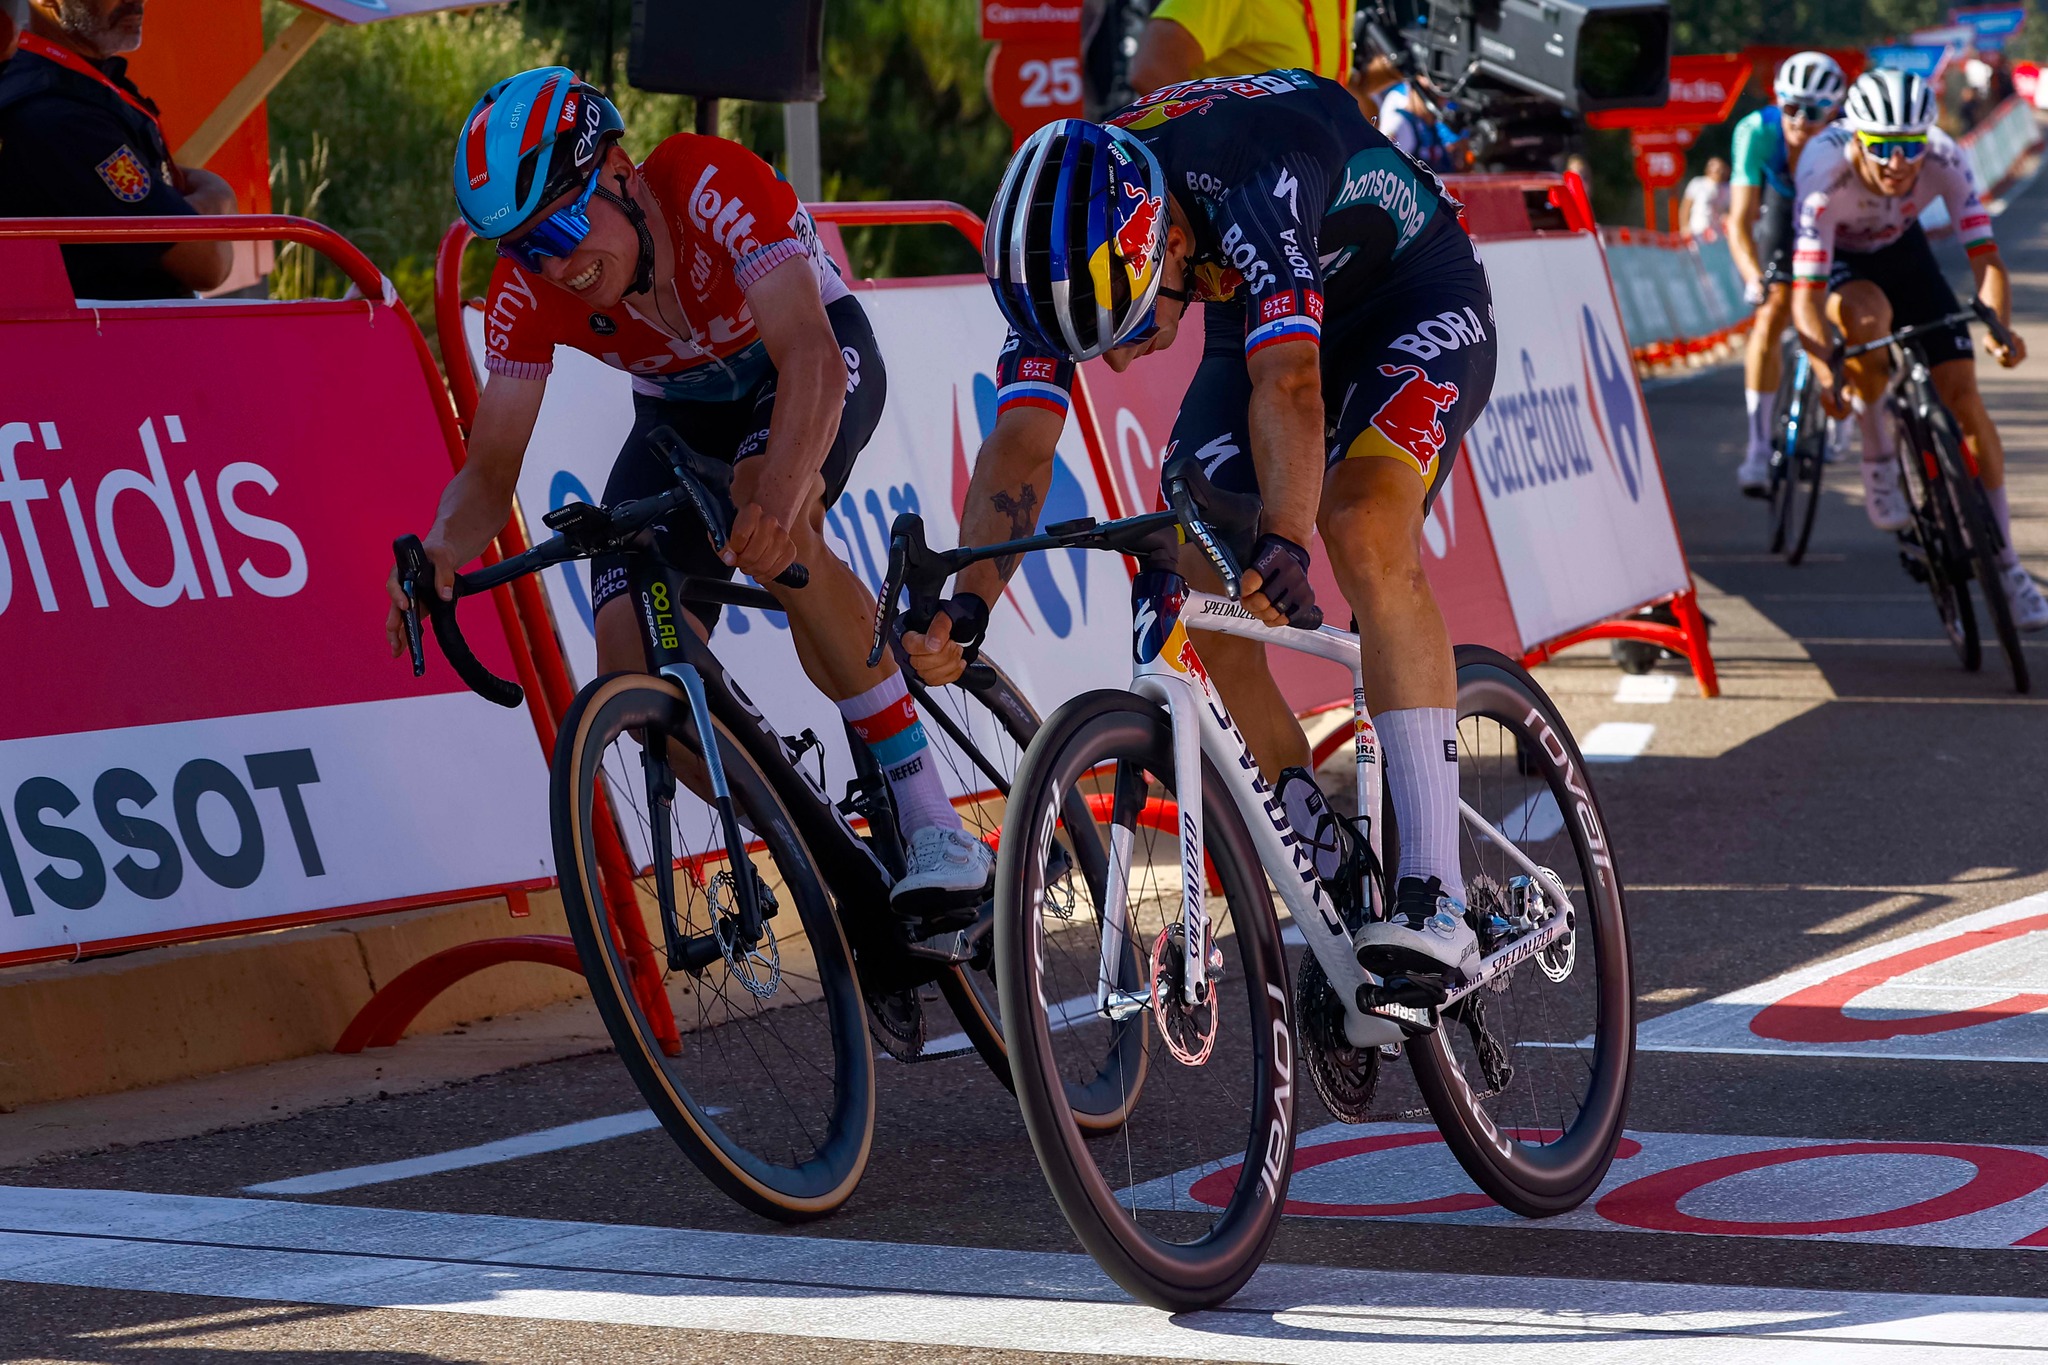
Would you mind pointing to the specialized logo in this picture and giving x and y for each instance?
(1216, 452)
(1286, 187)
(125, 175)
(1137, 237)
(1412, 417)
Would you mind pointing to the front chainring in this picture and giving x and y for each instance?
(1346, 1077)
(896, 1018)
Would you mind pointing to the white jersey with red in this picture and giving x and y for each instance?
(730, 220)
(1838, 212)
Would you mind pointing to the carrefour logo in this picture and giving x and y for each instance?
(1530, 436)
(1612, 388)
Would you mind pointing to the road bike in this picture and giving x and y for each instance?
(1799, 450)
(1953, 536)
(742, 969)
(1166, 979)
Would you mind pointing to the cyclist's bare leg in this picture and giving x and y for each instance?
(1956, 382)
(1238, 668)
(1760, 355)
(1862, 312)
(1371, 522)
(832, 619)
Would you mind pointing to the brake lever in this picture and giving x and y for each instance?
(1989, 316)
(1191, 522)
(892, 586)
(414, 569)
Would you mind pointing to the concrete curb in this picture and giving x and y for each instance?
(166, 1014)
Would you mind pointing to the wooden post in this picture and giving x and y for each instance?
(251, 90)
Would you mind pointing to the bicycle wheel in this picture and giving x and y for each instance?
(986, 722)
(1807, 472)
(1528, 1077)
(1980, 542)
(1174, 1223)
(1778, 490)
(754, 1057)
(1930, 554)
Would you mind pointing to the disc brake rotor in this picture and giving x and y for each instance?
(758, 967)
(1189, 1030)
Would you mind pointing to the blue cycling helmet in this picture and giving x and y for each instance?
(531, 139)
(1075, 237)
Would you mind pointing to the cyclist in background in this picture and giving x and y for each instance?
(1807, 92)
(1863, 264)
(699, 273)
(1349, 346)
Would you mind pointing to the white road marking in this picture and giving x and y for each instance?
(1648, 689)
(483, 1154)
(828, 1289)
(1536, 819)
(1616, 741)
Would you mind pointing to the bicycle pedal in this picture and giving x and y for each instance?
(1409, 1002)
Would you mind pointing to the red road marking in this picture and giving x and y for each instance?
(1814, 1015)
(2002, 1174)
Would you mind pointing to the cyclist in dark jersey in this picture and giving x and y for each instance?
(1807, 90)
(1349, 346)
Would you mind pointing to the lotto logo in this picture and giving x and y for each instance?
(1279, 306)
(1038, 368)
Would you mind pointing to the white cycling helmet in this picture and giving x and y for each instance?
(1810, 78)
(1894, 103)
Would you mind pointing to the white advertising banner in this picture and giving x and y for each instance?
(1061, 629)
(1563, 455)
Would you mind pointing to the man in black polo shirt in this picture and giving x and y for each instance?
(78, 140)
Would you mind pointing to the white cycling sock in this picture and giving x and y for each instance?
(1759, 405)
(886, 720)
(1875, 431)
(2001, 508)
(1421, 748)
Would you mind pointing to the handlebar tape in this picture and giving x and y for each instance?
(795, 576)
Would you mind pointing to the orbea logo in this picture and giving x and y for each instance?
(93, 524)
(1611, 387)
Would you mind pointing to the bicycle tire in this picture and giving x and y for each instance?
(1778, 489)
(970, 990)
(1980, 543)
(1809, 471)
(716, 1131)
(1938, 537)
(1551, 1174)
(1132, 1241)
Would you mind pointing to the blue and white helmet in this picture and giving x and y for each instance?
(1810, 78)
(531, 139)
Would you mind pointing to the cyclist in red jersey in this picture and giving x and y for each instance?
(700, 274)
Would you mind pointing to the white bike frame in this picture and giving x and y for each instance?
(1170, 671)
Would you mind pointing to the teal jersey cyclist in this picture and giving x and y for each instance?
(1806, 93)
(699, 273)
(1348, 346)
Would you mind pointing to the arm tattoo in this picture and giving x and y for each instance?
(1022, 510)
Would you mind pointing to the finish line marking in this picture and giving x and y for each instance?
(1974, 990)
(483, 1154)
(829, 1289)
(1939, 1194)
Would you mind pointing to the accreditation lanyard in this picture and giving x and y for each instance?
(1315, 37)
(71, 61)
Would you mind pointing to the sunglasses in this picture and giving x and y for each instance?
(1807, 113)
(1882, 148)
(557, 235)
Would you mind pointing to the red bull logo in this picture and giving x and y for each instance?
(1138, 234)
(1412, 417)
(1160, 114)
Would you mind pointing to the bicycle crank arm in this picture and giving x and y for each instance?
(1416, 1019)
(955, 946)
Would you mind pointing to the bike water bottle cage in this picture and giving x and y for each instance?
(1882, 146)
(557, 235)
